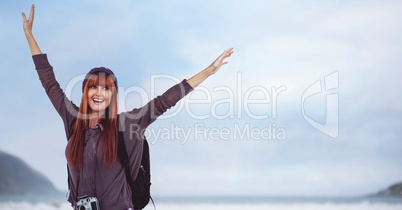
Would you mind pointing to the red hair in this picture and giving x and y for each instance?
(109, 122)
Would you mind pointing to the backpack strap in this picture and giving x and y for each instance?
(145, 165)
(70, 183)
(123, 156)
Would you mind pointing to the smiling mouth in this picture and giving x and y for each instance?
(97, 100)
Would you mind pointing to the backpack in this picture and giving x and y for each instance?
(140, 187)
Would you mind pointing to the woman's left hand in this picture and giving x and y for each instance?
(219, 62)
(211, 69)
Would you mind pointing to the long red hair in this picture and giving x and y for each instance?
(109, 122)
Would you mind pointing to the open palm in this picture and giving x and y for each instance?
(220, 61)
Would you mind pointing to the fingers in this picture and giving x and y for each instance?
(230, 50)
(28, 22)
(227, 53)
(24, 17)
(220, 61)
(32, 14)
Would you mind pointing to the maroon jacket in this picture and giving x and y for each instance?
(112, 189)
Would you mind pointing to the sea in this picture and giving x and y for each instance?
(32, 202)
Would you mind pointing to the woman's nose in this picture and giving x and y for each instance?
(99, 90)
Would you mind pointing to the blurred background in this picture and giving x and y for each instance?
(205, 146)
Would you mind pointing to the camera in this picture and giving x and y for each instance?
(87, 203)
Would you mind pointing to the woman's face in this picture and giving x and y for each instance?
(99, 98)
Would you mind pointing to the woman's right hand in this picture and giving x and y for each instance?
(28, 23)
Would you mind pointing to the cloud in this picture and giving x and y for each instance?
(290, 44)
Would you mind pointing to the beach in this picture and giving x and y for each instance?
(237, 204)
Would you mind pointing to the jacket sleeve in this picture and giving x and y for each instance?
(147, 114)
(134, 123)
(66, 109)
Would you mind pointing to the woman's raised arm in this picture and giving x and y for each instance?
(211, 69)
(27, 24)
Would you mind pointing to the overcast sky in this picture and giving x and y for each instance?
(308, 104)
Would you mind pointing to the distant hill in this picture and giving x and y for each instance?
(394, 190)
(17, 178)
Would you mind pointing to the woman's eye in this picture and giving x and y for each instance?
(105, 88)
(93, 87)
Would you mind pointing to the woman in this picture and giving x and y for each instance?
(92, 128)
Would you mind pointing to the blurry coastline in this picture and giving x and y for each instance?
(21, 187)
(221, 202)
